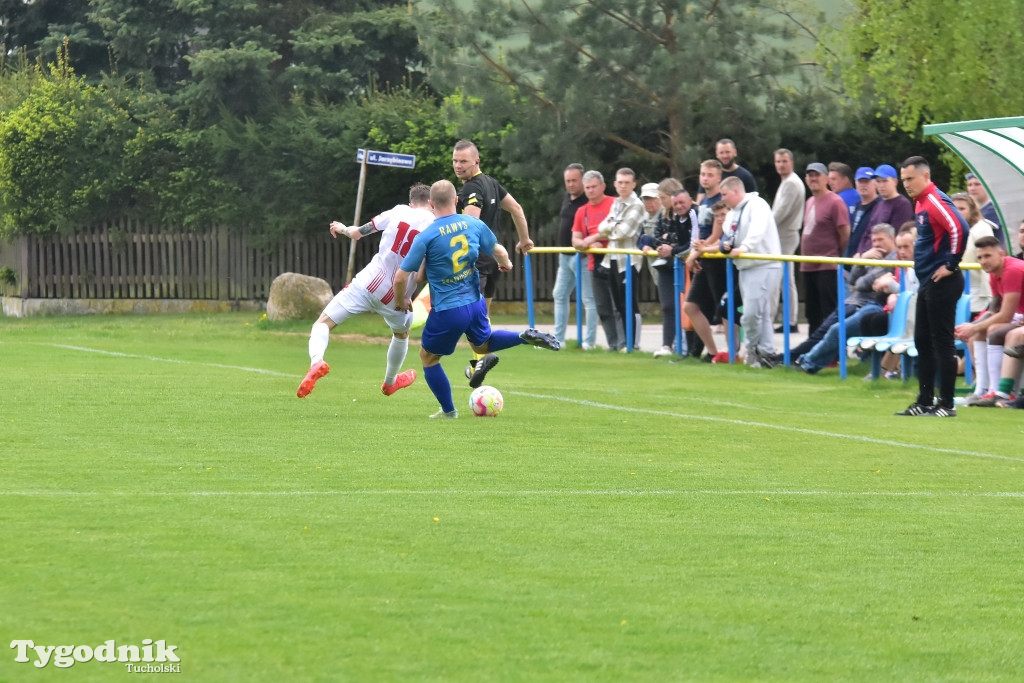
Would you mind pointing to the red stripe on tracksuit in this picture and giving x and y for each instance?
(941, 233)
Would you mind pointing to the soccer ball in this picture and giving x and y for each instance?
(485, 401)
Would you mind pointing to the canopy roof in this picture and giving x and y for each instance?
(994, 150)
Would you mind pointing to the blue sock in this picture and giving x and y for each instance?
(503, 339)
(439, 384)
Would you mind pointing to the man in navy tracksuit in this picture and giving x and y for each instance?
(941, 238)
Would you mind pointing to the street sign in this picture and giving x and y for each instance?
(376, 158)
(372, 156)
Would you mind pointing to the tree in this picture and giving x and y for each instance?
(336, 56)
(70, 152)
(148, 41)
(931, 62)
(245, 58)
(298, 170)
(652, 84)
(39, 28)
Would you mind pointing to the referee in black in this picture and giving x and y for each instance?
(483, 197)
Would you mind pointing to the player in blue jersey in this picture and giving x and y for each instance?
(449, 247)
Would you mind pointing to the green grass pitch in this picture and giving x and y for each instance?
(623, 519)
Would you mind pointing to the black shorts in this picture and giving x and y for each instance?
(488, 269)
(708, 286)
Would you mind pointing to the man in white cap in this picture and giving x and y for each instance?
(652, 205)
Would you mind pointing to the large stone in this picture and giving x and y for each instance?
(297, 297)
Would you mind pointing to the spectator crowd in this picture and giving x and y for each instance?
(829, 211)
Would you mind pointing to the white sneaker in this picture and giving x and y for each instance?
(663, 351)
(587, 347)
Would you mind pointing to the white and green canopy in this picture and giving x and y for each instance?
(994, 150)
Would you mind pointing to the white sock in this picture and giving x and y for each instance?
(995, 365)
(396, 356)
(980, 367)
(318, 338)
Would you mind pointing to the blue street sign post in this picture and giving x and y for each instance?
(394, 159)
(374, 158)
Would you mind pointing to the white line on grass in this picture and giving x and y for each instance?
(767, 425)
(172, 360)
(609, 406)
(625, 493)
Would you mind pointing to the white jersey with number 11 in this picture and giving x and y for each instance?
(399, 226)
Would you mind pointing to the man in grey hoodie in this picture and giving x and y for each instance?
(750, 228)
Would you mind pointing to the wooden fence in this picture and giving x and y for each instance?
(128, 259)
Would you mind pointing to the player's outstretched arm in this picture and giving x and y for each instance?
(352, 233)
(338, 228)
(501, 256)
(514, 209)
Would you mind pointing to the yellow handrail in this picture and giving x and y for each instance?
(756, 257)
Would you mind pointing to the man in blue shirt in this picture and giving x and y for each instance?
(840, 181)
(449, 248)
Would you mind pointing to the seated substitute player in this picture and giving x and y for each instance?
(1009, 382)
(371, 290)
(449, 247)
(1006, 312)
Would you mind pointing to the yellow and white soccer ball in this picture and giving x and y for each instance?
(486, 401)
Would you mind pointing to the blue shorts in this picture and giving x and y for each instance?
(444, 328)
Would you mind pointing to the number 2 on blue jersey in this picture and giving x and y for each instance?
(460, 253)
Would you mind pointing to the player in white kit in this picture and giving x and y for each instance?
(371, 290)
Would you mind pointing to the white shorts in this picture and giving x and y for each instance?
(354, 299)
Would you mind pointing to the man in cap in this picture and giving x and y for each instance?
(826, 234)
(894, 209)
(652, 205)
(861, 218)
